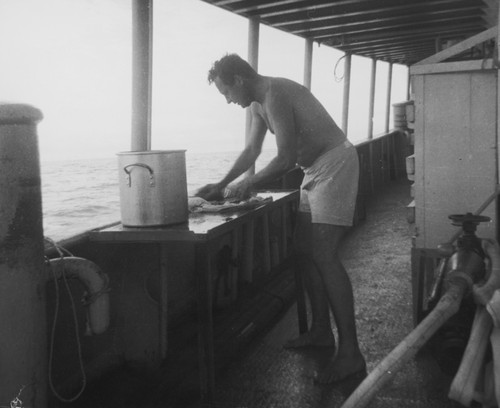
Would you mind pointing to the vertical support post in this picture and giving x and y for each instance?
(388, 99)
(266, 242)
(142, 61)
(388, 139)
(235, 242)
(497, 45)
(284, 232)
(23, 338)
(372, 98)
(347, 93)
(253, 60)
(163, 307)
(205, 322)
(308, 55)
(370, 122)
(408, 85)
(247, 272)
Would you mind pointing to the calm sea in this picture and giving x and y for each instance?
(84, 194)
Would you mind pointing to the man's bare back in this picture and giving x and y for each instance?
(314, 130)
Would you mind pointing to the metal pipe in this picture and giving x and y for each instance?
(23, 338)
(497, 46)
(388, 99)
(372, 98)
(448, 305)
(308, 55)
(408, 85)
(142, 62)
(347, 93)
(464, 269)
(253, 60)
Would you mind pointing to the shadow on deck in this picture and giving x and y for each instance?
(260, 373)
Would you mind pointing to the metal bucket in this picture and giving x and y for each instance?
(153, 188)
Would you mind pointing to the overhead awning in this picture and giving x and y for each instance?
(396, 31)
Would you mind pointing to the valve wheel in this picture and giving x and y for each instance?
(468, 218)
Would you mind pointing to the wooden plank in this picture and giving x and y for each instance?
(457, 66)
(460, 47)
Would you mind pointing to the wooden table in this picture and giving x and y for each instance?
(203, 229)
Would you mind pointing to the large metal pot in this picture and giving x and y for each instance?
(153, 188)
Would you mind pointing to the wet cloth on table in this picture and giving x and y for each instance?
(330, 186)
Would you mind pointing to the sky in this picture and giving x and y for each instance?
(72, 60)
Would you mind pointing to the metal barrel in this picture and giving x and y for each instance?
(23, 338)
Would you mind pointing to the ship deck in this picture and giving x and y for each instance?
(261, 373)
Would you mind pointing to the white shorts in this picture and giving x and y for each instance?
(330, 186)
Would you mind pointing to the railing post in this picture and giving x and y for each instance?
(370, 121)
(372, 98)
(388, 99)
(142, 68)
(308, 55)
(347, 92)
(23, 338)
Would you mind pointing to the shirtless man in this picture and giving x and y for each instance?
(305, 135)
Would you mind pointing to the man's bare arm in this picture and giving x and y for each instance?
(281, 116)
(246, 158)
(249, 155)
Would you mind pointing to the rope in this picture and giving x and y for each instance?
(61, 251)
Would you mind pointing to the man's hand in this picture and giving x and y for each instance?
(241, 190)
(210, 192)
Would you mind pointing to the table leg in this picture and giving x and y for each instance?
(266, 242)
(284, 232)
(247, 269)
(163, 301)
(205, 322)
(301, 296)
(235, 267)
(299, 282)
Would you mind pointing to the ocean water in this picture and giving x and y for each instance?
(79, 195)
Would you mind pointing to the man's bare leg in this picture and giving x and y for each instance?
(320, 334)
(348, 359)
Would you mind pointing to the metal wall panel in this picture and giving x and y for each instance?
(455, 133)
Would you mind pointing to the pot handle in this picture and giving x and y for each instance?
(129, 179)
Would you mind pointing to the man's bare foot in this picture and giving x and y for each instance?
(312, 339)
(343, 369)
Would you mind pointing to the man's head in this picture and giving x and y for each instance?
(233, 77)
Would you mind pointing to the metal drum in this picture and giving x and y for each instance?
(153, 188)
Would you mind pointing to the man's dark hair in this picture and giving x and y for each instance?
(229, 66)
